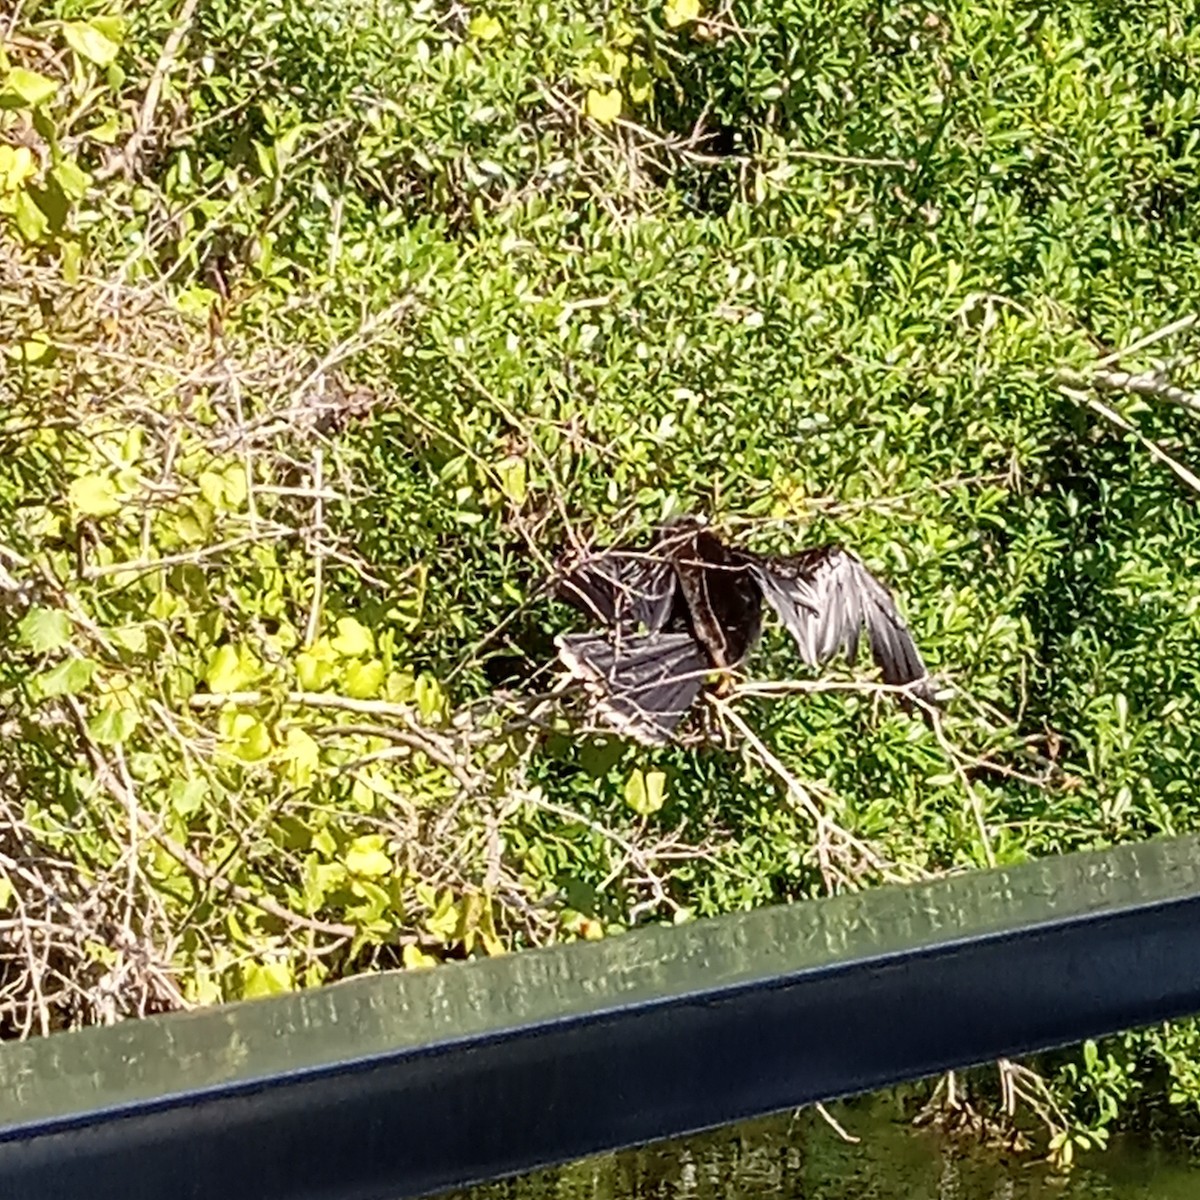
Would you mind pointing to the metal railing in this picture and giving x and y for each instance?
(409, 1083)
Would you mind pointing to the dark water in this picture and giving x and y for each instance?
(801, 1158)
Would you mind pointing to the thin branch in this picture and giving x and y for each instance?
(120, 791)
(1151, 447)
(128, 157)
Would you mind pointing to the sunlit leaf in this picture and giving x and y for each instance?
(89, 40)
(604, 107)
(70, 677)
(266, 979)
(94, 496)
(484, 27)
(645, 791)
(44, 629)
(353, 638)
(680, 12)
(114, 723)
(366, 856)
(363, 680)
(415, 959)
(25, 88)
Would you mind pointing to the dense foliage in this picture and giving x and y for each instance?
(326, 322)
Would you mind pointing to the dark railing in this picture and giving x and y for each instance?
(404, 1084)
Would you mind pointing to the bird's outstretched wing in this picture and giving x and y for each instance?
(825, 597)
(623, 589)
(641, 684)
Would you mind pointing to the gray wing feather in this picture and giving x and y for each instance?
(642, 684)
(622, 590)
(826, 598)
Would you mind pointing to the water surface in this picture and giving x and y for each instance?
(799, 1157)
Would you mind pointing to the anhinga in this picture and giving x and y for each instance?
(688, 605)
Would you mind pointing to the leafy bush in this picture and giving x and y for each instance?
(337, 318)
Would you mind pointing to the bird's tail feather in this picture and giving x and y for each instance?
(642, 684)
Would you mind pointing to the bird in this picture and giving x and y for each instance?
(685, 609)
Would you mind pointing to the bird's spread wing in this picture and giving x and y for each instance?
(825, 597)
(642, 684)
(621, 589)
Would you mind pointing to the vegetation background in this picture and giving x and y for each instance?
(325, 321)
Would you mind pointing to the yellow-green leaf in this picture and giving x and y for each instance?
(415, 959)
(90, 42)
(94, 496)
(107, 131)
(113, 724)
(366, 856)
(247, 737)
(353, 638)
(266, 979)
(68, 678)
(512, 478)
(302, 756)
(641, 84)
(26, 88)
(212, 488)
(17, 164)
(236, 490)
(73, 180)
(315, 667)
(645, 792)
(31, 222)
(231, 668)
(604, 107)
(363, 680)
(187, 795)
(484, 28)
(44, 629)
(680, 12)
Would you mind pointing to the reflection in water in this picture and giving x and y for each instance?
(801, 1158)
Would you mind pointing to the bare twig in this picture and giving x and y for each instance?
(1184, 474)
(127, 160)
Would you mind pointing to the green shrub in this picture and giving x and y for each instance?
(337, 318)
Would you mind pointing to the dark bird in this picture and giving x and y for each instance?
(688, 605)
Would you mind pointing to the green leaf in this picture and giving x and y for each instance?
(230, 669)
(363, 680)
(69, 678)
(236, 489)
(130, 637)
(7, 891)
(302, 756)
(353, 638)
(680, 12)
(107, 132)
(484, 27)
(246, 736)
(89, 41)
(24, 88)
(604, 107)
(187, 795)
(31, 222)
(112, 27)
(94, 496)
(73, 180)
(512, 478)
(314, 669)
(645, 792)
(366, 856)
(114, 723)
(415, 959)
(266, 979)
(212, 488)
(45, 629)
